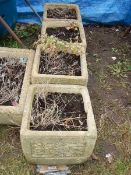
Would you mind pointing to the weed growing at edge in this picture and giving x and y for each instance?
(120, 68)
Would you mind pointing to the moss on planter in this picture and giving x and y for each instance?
(57, 147)
(13, 114)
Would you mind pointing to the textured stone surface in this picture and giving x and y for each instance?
(59, 79)
(60, 5)
(58, 147)
(13, 114)
(65, 23)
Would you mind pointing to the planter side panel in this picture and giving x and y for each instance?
(57, 150)
(10, 117)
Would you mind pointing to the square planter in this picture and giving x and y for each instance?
(13, 114)
(59, 7)
(58, 147)
(65, 24)
(59, 79)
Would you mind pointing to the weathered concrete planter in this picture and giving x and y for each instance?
(48, 6)
(58, 147)
(13, 114)
(55, 24)
(38, 78)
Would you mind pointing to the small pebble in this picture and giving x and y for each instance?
(114, 58)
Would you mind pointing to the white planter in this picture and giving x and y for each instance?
(48, 6)
(58, 147)
(55, 24)
(59, 79)
(13, 114)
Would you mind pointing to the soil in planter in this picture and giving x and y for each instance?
(60, 64)
(69, 34)
(62, 13)
(58, 111)
(11, 79)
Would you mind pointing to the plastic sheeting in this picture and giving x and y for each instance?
(8, 13)
(92, 11)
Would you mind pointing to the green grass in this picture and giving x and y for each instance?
(121, 168)
(12, 161)
(27, 34)
(26, 31)
(120, 68)
(7, 42)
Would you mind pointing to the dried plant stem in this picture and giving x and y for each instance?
(51, 44)
(11, 79)
(50, 114)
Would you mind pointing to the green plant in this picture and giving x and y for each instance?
(121, 168)
(114, 50)
(9, 43)
(97, 58)
(24, 31)
(120, 68)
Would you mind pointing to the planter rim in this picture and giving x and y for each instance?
(39, 78)
(26, 52)
(55, 24)
(58, 147)
(16, 53)
(33, 89)
(62, 5)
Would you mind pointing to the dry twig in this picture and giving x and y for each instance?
(11, 79)
(52, 112)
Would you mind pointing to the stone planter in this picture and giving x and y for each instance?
(55, 24)
(62, 6)
(58, 147)
(38, 78)
(13, 114)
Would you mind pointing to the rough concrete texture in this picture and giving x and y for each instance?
(55, 24)
(58, 147)
(38, 78)
(13, 114)
(61, 5)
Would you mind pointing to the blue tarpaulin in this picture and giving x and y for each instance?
(92, 11)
